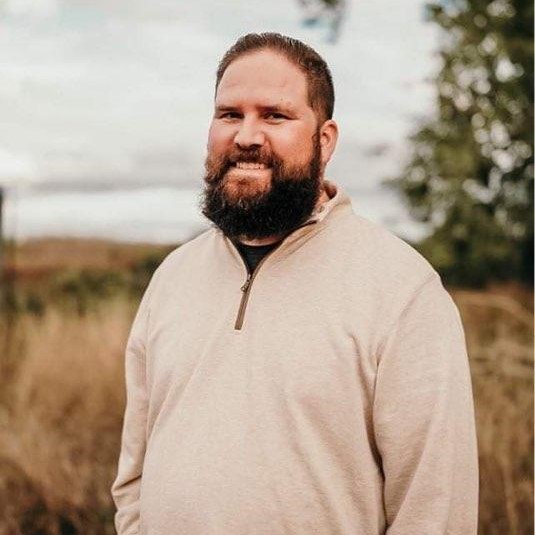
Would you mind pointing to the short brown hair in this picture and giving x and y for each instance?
(313, 66)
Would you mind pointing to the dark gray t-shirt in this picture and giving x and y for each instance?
(253, 254)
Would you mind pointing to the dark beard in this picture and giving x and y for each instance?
(287, 204)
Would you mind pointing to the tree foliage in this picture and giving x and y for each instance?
(327, 13)
(470, 175)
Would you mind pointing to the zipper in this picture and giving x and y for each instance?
(246, 287)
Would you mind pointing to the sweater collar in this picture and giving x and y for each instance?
(338, 202)
(338, 205)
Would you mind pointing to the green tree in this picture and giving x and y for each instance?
(470, 174)
(328, 13)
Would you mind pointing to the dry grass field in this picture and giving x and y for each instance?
(61, 404)
(499, 333)
(53, 254)
(60, 417)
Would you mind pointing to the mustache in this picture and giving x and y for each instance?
(251, 156)
(216, 167)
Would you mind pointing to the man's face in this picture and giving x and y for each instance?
(263, 168)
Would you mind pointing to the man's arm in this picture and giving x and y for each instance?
(424, 419)
(126, 487)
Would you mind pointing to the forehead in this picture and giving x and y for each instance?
(263, 76)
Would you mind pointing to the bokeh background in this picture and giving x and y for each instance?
(104, 110)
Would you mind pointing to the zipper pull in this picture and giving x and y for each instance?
(246, 284)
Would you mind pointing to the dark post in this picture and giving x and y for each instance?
(1, 238)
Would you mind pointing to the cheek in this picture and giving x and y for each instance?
(295, 147)
(218, 138)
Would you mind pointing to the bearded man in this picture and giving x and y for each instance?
(296, 369)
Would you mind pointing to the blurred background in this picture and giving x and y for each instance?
(104, 109)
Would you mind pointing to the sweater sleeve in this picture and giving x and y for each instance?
(423, 419)
(126, 487)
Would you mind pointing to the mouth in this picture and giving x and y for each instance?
(249, 166)
(249, 169)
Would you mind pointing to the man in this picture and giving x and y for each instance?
(296, 369)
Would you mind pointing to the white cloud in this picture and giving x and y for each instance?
(95, 92)
(16, 169)
(36, 8)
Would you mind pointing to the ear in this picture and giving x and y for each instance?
(328, 139)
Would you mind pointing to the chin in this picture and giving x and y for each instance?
(238, 187)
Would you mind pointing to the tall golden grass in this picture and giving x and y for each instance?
(499, 332)
(60, 416)
(62, 399)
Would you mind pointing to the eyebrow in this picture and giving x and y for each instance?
(266, 108)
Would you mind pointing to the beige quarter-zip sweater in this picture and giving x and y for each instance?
(327, 394)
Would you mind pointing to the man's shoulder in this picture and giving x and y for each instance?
(374, 246)
(385, 270)
(187, 252)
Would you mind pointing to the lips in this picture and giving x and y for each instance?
(249, 165)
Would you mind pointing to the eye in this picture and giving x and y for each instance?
(230, 115)
(275, 116)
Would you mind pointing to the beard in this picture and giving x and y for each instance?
(286, 204)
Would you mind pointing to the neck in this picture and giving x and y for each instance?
(323, 198)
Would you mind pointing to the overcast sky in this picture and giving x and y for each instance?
(118, 94)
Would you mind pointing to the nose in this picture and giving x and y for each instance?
(249, 135)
